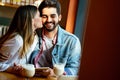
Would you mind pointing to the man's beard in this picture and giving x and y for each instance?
(49, 30)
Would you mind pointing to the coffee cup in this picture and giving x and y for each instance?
(58, 69)
(28, 70)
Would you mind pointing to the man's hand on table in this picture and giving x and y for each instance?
(44, 72)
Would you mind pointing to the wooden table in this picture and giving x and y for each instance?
(8, 76)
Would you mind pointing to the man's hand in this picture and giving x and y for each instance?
(44, 72)
(4, 57)
(50, 71)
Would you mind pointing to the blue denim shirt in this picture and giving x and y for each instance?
(67, 50)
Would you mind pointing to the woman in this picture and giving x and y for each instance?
(20, 39)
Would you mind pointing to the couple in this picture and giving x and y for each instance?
(49, 46)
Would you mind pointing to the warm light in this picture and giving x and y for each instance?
(37, 2)
(2, 4)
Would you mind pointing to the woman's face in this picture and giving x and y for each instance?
(36, 21)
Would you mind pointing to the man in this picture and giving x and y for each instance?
(56, 45)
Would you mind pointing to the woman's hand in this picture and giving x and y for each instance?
(17, 69)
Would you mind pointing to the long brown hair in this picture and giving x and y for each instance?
(22, 24)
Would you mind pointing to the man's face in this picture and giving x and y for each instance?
(50, 18)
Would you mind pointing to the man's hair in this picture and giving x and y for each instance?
(49, 4)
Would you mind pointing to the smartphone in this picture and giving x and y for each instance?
(39, 72)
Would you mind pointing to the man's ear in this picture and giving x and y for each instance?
(60, 17)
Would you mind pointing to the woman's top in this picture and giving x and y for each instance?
(12, 47)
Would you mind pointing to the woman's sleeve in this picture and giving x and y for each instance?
(10, 47)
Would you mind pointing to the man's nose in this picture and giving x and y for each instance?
(49, 19)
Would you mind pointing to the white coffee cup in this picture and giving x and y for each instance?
(28, 70)
(58, 69)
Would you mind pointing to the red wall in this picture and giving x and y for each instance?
(101, 46)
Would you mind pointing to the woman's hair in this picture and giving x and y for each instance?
(49, 4)
(22, 24)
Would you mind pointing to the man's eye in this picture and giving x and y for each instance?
(44, 17)
(53, 16)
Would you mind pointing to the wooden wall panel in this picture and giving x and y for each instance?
(101, 47)
(71, 17)
(64, 12)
